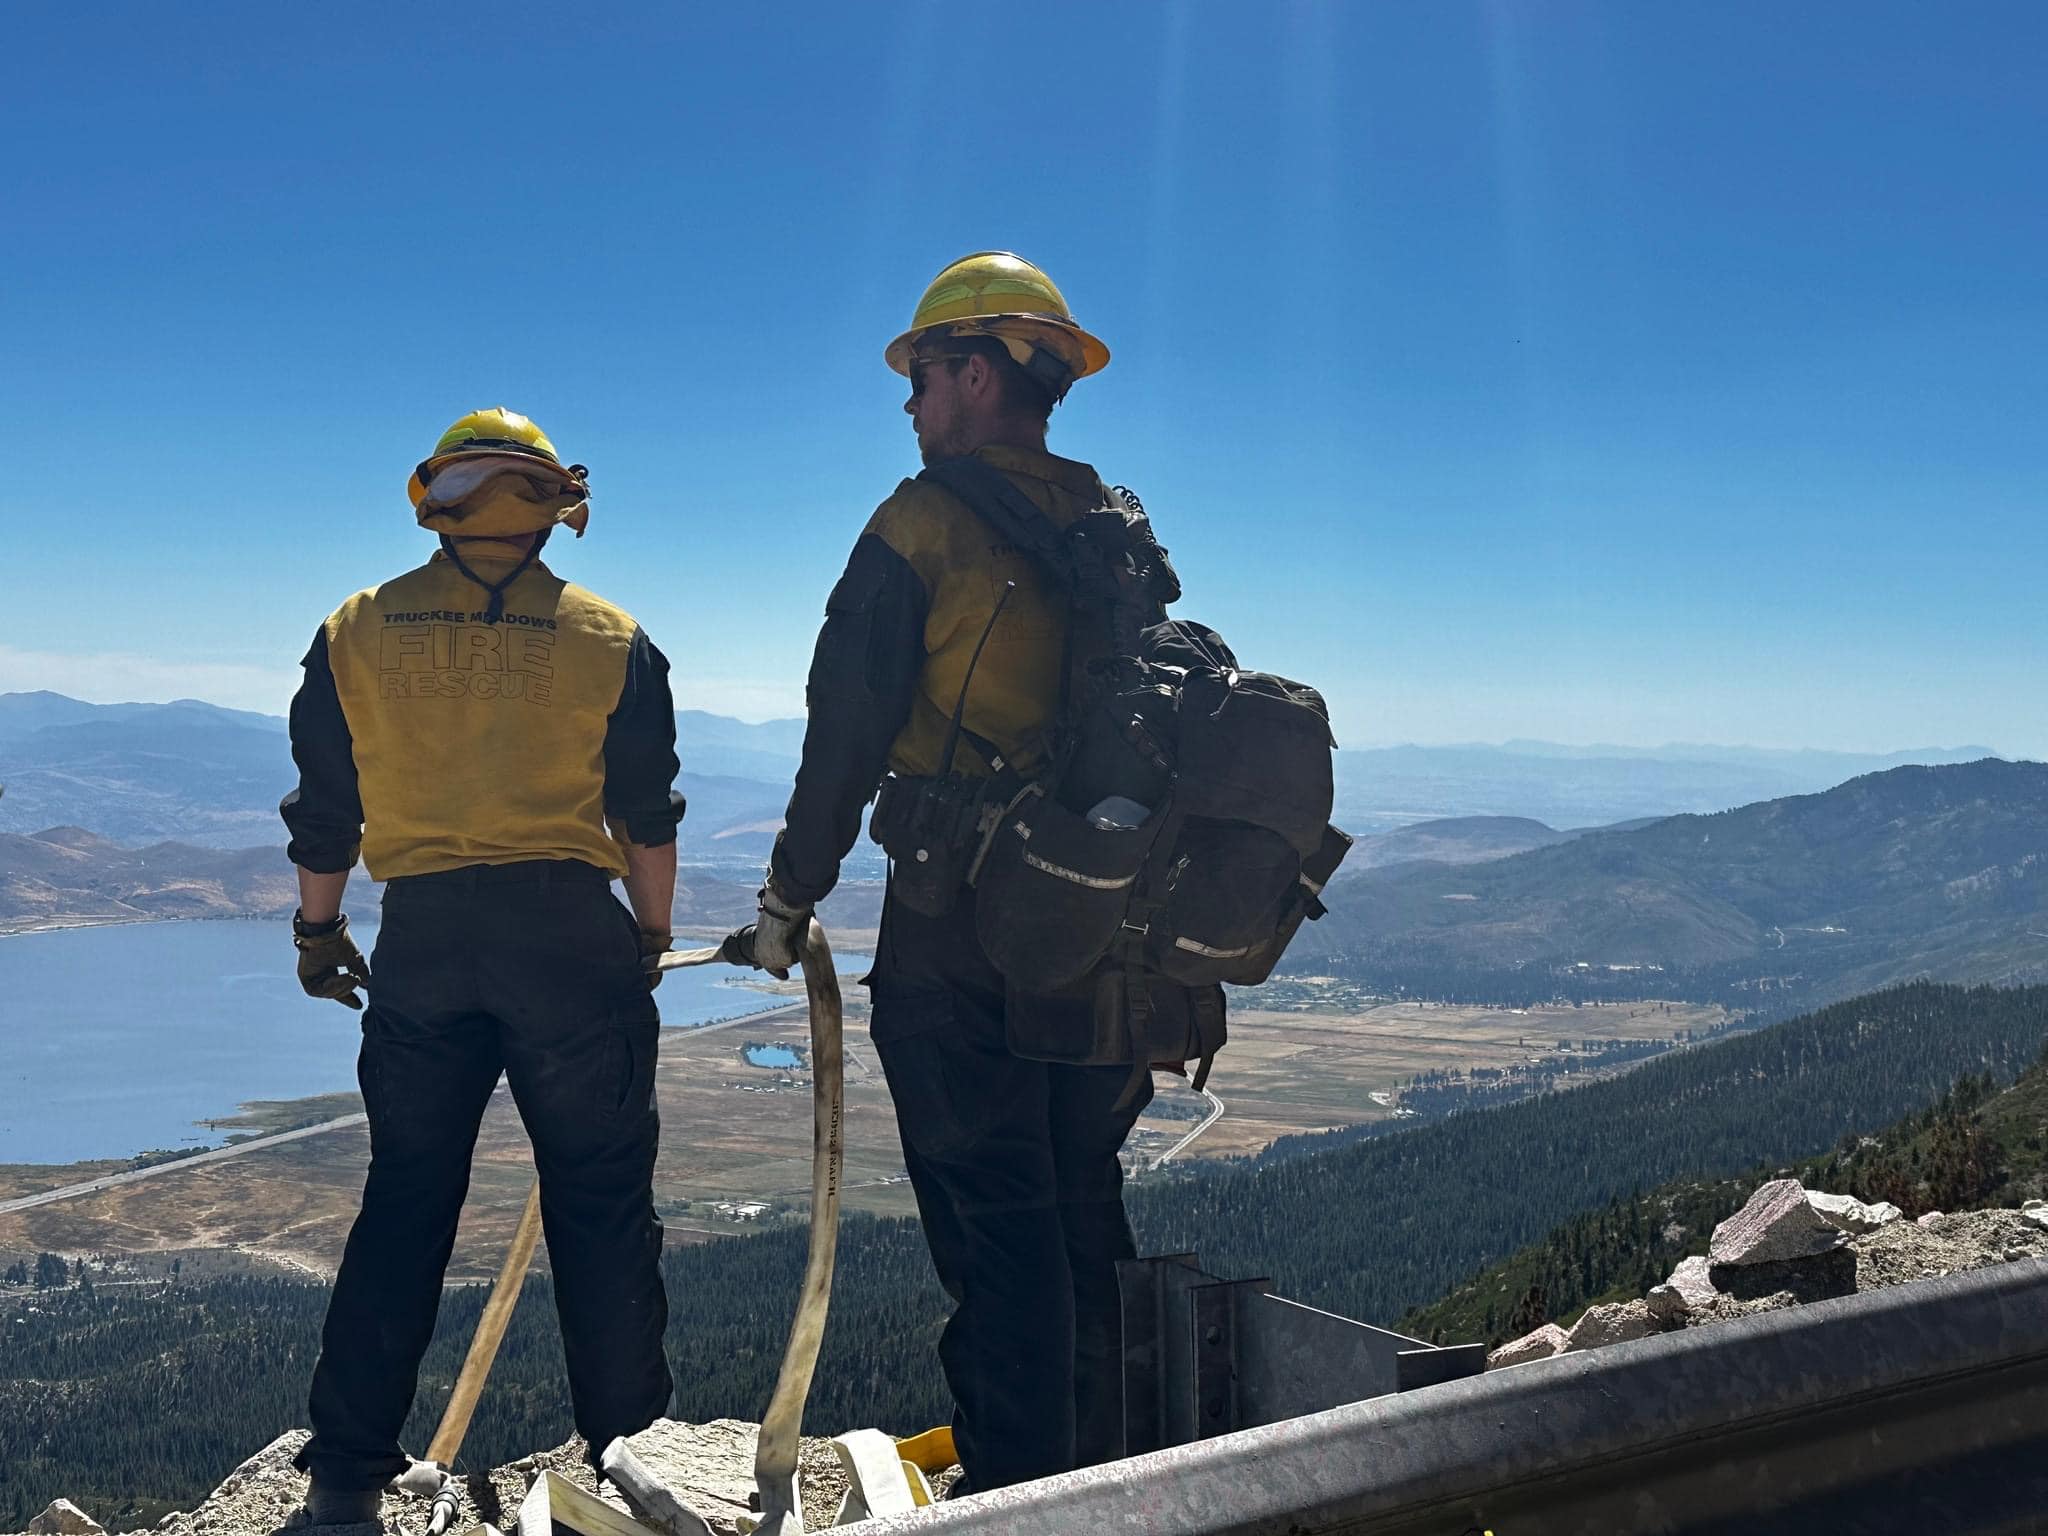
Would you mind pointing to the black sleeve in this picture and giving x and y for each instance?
(640, 751)
(863, 679)
(325, 813)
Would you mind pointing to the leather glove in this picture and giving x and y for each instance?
(652, 947)
(330, 965)
(771, 940)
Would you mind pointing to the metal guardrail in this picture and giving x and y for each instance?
(1916, 1409)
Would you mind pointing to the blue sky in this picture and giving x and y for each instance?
(1585, 372)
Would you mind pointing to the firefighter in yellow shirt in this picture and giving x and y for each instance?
(1013, 1158)
(497, 745)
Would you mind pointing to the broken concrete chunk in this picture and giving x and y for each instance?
(1846, 1213)
(1618, 1322)
(1931, 1219)
(1540, 1345)
(64, 1518)
(1693, 1281)
(1667, 1306)
(2037, 1214)
(1775, 1226)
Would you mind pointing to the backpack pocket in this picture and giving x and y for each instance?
(1052, 890)
(1304, 903)
(1255, 748)
(1228, 887)
(1118, 1018)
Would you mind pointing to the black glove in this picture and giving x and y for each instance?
(330, 965)
(652, 947)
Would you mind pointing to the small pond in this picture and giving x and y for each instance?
(772, 1056)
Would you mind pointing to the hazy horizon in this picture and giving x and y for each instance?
(1668, 748)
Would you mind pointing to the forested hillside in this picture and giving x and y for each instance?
(1379, 1226)
(134, 1399)
(1976, 1146)
(124, 1394)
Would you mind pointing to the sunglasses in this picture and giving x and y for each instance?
(951, 362)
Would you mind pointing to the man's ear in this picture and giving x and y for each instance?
(978, 377)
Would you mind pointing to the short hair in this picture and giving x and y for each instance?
(1020, 391)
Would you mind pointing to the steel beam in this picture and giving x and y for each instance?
(1919, 1408)
(1204, 1356)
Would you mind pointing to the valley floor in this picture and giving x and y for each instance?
(736, 1137)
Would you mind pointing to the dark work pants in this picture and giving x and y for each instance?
(534, 970)
(1014, 1164)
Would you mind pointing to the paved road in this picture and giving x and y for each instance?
(1215, 1114)
(94, 1186)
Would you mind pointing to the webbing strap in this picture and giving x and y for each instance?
(1138, 1031)
(494, 609)
(994, 496)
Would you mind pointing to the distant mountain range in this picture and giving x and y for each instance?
(68, 874)
(1388, 787)
(65, 875)
(201, 774)
(1459, 840)
(1915, 871)
(212, 777)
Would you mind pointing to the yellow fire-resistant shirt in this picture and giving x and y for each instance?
(900, 632)
(444, 739)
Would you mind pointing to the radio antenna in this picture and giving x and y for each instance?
(960, 708)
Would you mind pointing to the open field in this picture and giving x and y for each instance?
(733, 1133)
(1288, 1071)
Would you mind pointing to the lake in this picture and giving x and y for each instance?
(772, 1056)
(117, 1040)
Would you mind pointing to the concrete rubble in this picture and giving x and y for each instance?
(1846, 1213)
(1615, 1323)
(1540, 1345)
(64, 1518)
(1778, 1225)
(710, 1467)
(1784, 1248)
(1692, 1282)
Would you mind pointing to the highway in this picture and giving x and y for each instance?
(196, 1160)
(1215, 1114)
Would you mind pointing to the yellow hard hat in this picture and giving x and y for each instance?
(1000, 294)
(509, 438)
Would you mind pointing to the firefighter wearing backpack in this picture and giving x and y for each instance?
(1013, 1160)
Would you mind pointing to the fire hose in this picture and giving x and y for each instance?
(775, 1455)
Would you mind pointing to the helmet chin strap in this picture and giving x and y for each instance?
(494, 609)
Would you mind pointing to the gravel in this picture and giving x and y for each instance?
(1904, 1251)
(710, 1467)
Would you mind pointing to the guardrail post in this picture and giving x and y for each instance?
(1204, 1356)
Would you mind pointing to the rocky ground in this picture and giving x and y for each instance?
(710, 1467)
(1791, 1245)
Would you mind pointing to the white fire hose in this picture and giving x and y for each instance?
(775, 1456)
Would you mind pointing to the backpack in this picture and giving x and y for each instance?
(1180, 835)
